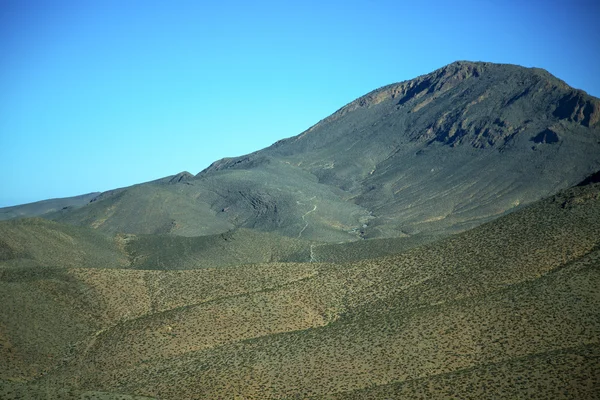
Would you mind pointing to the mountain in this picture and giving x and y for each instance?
(434, 155)
(506, 310)
(447, 150)
(475, 189)
(45, 206)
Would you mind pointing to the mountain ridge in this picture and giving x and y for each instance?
(436, 154)
(577, 105)
(464, 105)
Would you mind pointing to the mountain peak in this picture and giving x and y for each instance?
(419, 139)
(483, 101)
(441, 80)
(181, 177)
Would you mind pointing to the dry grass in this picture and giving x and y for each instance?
(506, 310)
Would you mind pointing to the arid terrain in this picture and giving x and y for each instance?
(422, 242)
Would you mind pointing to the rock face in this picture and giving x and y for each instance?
(436, 154)
(576, 107)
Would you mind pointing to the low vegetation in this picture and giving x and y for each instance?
(396, 249)
(506, 310)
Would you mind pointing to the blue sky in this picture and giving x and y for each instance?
(96, 95)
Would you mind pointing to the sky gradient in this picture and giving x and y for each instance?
(96, 95)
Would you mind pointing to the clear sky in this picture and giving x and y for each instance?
(96, 95)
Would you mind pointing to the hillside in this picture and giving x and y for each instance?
(38, 243)
(238, 247)
(508, 309)
(44, 207)
(35, 242)
(435, 238)
(277, 198)
(434, 155)
(447, 150)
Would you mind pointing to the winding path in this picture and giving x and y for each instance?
(304, 219)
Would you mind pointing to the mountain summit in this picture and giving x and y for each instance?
(461, 144)
(436, 154)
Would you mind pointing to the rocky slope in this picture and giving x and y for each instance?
(433, 155)
(447, 150)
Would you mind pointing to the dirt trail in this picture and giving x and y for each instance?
(304, 219)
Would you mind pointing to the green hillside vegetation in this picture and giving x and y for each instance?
(508, 309)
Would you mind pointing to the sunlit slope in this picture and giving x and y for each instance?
(12, 390)
(569, 373)
(36, 241)
(528, 321)
(518, 294)
(53, 316)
